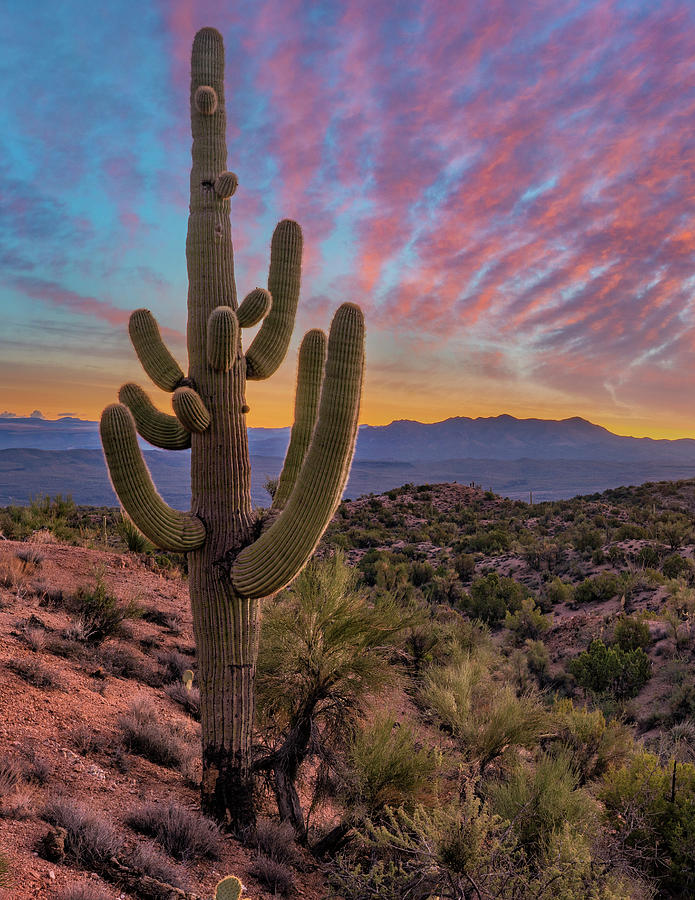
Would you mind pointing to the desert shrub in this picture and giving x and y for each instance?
(492, 596)
(173, 664)
(421, 573)
(649, 556)
(675, 566)
(537, 658)
(538, 802)
(464, 565)
(681, 701)
(630, 532)
(385, 767)
(170, 621)
(188, 698)
(35, 672)
(610, 670)
(14, 574)
(4, 870)
(486, 717)
(31, 556)
(631, 634)
(276, 876)
(131, 535)
(527, 621)
(120, 660)
(275, 840)
(558, 591)
(488, 541)
(587, 539)
(598, 589)
(590, 743)
(183, 834)
(144, 733)
(91, 839)
(146, 859)
(654, 817)
(324, 649)
(100, 614)
(83, 890)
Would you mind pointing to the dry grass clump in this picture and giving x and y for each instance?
(30, 556)
(17, 798)
(83, 890)
(183, 834)
(35, 672)
(276, 876)
(145, 734)
(13, 574)
(188, 698)
(276, 840)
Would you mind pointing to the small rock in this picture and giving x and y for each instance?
(52, 875)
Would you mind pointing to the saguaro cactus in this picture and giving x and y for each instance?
(236, 558)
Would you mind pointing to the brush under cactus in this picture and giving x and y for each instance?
(236, 557)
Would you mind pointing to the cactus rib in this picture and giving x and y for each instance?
(223, 338)
(270, 345)
(156, 360)
(273, 560)
(255, 306)
(166, 527)
(190, 409)
(312, 358)
(160, 429)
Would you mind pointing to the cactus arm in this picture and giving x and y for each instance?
(275, 558)
(270, 345)
(166, 527)
(226, 184)
(312, 358)
(161, 430)
(254, 307)
(190, 409)
(156, 360)
(223, 338)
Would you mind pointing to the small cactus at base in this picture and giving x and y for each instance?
(229, 888)
(187, 678)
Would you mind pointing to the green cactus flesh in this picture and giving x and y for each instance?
(270, 345)
(312, 358)
(166, 527)
(223, 337)
(228, 889)
(156, 427)
(231, 567)
(190, 409)
(254, 307)
(156, 360)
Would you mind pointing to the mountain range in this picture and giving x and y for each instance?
(552, 458)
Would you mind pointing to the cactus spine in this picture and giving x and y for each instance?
(235, 559)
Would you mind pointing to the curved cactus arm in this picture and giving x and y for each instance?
(254, 307)
(222, 338)
(229, 888)
(166, 527)
(270, 345)
(272, 561)
(160, 429)
(156, 360)
(312, 358)
(190, 409)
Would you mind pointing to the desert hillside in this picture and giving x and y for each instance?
(567, 625)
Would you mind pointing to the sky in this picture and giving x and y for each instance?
(506, 188)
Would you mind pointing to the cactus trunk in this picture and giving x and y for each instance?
(235, 557)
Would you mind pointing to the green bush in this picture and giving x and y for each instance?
(492, 596)
(537, 658)
(592, 744)
(385, 767)
(598, 589)
(610, 670)
(528, 621)
(100, 613)
(559, 591)
(654, 816)
(538, 802)
(631, 634)
(675, 565)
